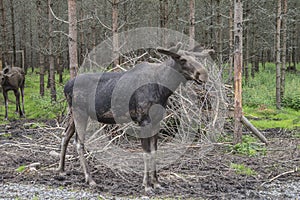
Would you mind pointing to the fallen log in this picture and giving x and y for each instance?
(254, 130)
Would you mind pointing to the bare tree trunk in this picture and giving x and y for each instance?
(294, 41)
(278, 61)
(115, 31)
(284, 41)
(230, 42)
(82, 45)
(31, 44)
(163, 8)
(238, 63)
(12, 12)
(40, 41)
(177, 15)
(219, 33)
(73, 55)
(3, 33)
(192, 23)
(246, 64)
(51, 56)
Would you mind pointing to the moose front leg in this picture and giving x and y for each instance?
(150, 179)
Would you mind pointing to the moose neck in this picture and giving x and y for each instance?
(170, 77)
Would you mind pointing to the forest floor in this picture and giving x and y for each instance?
(28, 160)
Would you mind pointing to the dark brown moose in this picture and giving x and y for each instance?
(143, 105)
(13, 78)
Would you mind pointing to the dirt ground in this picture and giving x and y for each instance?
(25, 143)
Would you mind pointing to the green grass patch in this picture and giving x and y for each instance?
(21, 168)
(242, 169)
(261, 90)
(250, 146)
(259, 100)
(266, 118)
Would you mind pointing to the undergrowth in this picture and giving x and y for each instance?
(259, 100)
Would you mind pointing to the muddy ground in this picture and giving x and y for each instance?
(27, 157)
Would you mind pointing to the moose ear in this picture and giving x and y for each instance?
(175, 56)
(5, 71)
(175, 48)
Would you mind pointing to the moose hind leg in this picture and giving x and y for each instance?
(84, 165)
(81, 124)
(18, 105)
(22, 96)
(68, 133)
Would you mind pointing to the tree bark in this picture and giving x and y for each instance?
(40, 44)
(12, 12)
(219, 33)
(115, 31)
(51, 56)
(192, 23)
(284, 41)
(3, 33)
(278, 61)
(238, 63)
(246, 64)
(73, 55)
(230, 71)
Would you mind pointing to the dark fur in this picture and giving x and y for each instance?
(93, 98)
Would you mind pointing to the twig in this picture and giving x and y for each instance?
(61, 20)
(279, 175)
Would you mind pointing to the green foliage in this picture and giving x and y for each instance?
(292, 101)
(248, 147)
(21, 168)
(242, 169)
(261, 89)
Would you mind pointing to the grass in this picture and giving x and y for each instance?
(259, 101)
(242, 169)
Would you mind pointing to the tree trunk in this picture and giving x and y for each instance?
(40, 43)
(238, 63)
(115, 31)
(73, 55)
(192, 23)
(31, 44)
(219, 33)
(3, 33)
(278, 61)
(51, 56)
(12, 12)
(230, 72)
(247, 49)
(284, 41)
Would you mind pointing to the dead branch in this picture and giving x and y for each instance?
(279, 175)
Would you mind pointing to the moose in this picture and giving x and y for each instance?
(13, 78)
(143, 90)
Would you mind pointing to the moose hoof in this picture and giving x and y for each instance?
(149, 191)
(61, 172)
(92, 183)
(157, 186)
